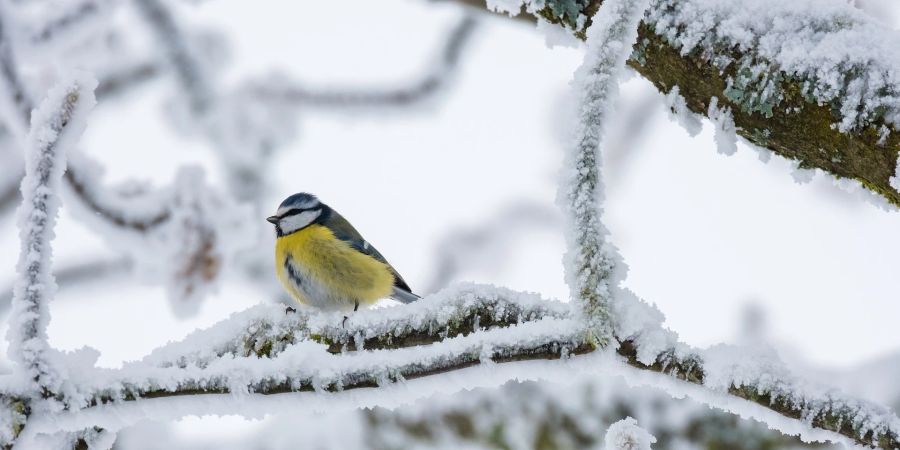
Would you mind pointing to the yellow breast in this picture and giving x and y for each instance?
(329, 273)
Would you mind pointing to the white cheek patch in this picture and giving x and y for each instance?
(293, 223)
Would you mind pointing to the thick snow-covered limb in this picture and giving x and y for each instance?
(438, 76)
(562, 415)
(456, 311)
(590, 260)
(267, 330)
(308, 366)
(815, 81)
(55, 128)
(765, 381)
(268, 350)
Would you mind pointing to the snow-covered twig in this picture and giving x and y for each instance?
(436, 78)
(190, 74)
(55, 128)
(590, 260)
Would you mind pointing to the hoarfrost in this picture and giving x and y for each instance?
(723, 123)
(590, 259)
(680, 114)
(895, 180)
(56, 125)
(627, 435)
(827, 43)
(511, 7)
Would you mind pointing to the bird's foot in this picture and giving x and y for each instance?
(344, 322)
(289, 310)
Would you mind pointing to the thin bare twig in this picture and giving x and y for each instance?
(83, 272)
(432, 82)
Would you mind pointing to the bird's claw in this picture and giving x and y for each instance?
(289, 310)
(344, 322)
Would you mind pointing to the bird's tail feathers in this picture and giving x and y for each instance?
(403, 296)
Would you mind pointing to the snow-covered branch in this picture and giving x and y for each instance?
(55, 128)
(562, 415)
(590, 260)
(267, 330)
(816, 82)
(762, 379)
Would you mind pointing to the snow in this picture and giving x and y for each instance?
(306, 365)
(202, 361)
(627, 435)
(511, 7)
(895, 180)
(759, 369)
(723, 123)
(680, 114)
(56, 126)
(590, 259)
(828, 44)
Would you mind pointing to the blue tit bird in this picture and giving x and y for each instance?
(324, 262)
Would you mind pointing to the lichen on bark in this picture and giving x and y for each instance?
(792, 124)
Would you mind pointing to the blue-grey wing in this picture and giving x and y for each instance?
(345, 232)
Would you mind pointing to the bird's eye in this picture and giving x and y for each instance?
(292, 212)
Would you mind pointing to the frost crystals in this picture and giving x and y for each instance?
(55, 127)
(590, 259)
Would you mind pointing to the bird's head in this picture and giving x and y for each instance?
(296, 213)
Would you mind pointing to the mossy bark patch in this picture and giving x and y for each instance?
(794, 126)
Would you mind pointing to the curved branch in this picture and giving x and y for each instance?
(58, 124)
(266, 350)
(88, 195)
(435, 79)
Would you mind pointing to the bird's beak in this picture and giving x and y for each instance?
(272, 219)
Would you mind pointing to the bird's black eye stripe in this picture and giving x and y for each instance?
(292, 212)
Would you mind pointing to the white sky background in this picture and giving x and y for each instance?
(705, 235)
